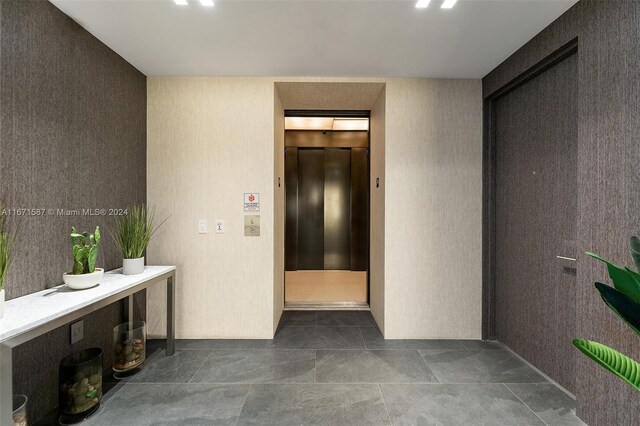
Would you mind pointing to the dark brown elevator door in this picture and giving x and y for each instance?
(327, 209)
(337, 207)
(310, 208)
(536, 210)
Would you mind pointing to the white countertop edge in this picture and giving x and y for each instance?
(112, 283)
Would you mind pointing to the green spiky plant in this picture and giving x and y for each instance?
(624, 300)
(134, 231)
(7, 238)
(85, 251)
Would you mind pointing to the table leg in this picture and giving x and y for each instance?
(128, 308)
(171, 318)
(6, 385)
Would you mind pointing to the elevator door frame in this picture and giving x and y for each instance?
(334, 305)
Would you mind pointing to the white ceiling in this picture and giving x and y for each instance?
(364, 38)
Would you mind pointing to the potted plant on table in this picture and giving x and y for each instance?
(132, 235)
(7, 238)
(85, 252)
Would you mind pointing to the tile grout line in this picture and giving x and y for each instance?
(114, 393)
(315, 366)
(322, 383)
(429, 367)
(525, 404)
(384, 403)
(243, 404)
(364, 342)
(201, 365)
(463, 345)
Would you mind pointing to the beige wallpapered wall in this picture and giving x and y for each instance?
(212, 139)
(279, 208)
(376, 201)
(433, 214)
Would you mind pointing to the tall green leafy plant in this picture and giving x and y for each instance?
(85, 251)
(7, 239)
(624, 300)
(134, 230)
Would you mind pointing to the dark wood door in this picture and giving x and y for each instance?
(536, 209)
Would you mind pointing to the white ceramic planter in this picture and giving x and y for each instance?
(133, 266)
(1, 303)
(80, 282)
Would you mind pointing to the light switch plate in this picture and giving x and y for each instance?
(77, 331)
(252, 225)
(219, 226)
(202, 226)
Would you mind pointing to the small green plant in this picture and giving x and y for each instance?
(7, 238)
(624, 300)
(85, 251)
(134, 231)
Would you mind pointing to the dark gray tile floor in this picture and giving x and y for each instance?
(388, 366)
(334, 368)
(479, 366)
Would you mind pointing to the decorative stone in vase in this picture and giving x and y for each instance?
(80, 380)
(129, 348)
(20, 410)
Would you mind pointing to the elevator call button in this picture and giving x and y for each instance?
(252, 225)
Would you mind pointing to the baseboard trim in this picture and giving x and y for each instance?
(562, 388)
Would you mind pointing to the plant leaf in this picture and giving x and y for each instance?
(622, 279)
(91, 258)
(622, 305)
(634, 248)
(134, 230)
(617, 363)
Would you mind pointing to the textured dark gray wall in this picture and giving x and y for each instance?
(72, 136)
(536, 204)
(608, 179)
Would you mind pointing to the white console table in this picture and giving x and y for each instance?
(35, 314)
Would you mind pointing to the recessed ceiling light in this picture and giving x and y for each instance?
(181, 2)
(422, 4)
(206, 3)
(448, 4)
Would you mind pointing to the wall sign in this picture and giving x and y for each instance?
(251, 201)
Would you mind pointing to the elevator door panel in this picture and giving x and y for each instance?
(291, 224)
(359, 209)
(311, 209)
(327, 209)
(337, 206)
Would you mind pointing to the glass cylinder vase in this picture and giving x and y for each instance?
(80, 379)
(129, 343)
(20, 410)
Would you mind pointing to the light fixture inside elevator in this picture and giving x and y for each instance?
(422, 4)
(350, 124)
(206, 3)
(326, 123)
(181, 2)
(448, 4)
